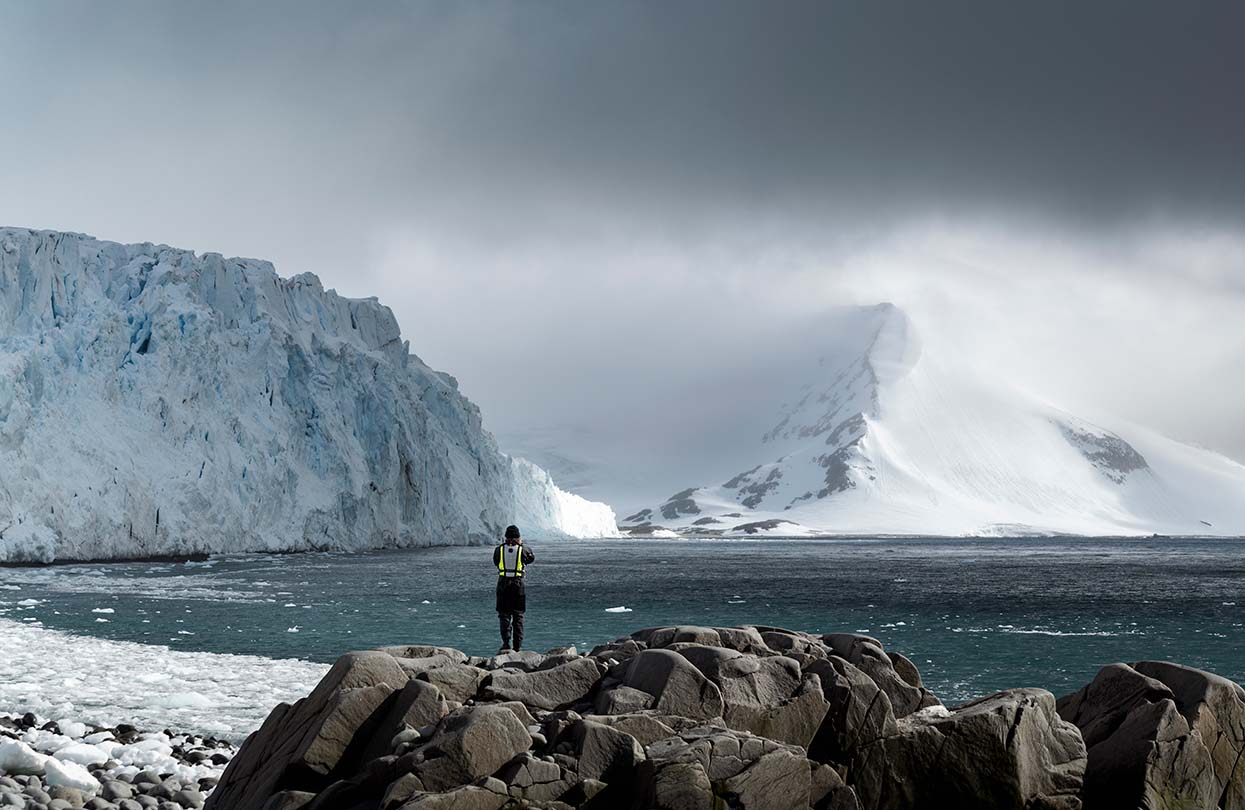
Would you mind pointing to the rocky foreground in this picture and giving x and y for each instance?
(743, 718)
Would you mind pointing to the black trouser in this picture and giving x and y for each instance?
(511, 602)
(506, 619)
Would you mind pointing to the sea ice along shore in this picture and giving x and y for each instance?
(105, 682)
(158, 402)
(51, 765)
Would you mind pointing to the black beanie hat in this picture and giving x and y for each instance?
(512, 532)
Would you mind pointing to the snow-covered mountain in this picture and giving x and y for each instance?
(154, 401)
(886, 438)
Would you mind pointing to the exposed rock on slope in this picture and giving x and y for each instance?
(743, 717)
(154, 401)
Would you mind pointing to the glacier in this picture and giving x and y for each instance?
(881, 435)
(155, 401)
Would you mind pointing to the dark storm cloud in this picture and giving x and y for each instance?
(874, 109)
(1088, 109)
(558, 199)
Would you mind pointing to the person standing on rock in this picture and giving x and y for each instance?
(510, 559)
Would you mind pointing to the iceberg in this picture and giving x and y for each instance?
(155, 401)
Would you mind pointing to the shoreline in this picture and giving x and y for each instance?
(43, 761)
(201, 557)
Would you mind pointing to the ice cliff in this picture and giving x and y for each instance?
(154, 401)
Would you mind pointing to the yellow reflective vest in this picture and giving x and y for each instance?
(510, 561)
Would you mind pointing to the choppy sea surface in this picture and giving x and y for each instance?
(975, 615)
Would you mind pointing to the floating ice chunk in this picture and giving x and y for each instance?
(30, 602)
(101, 621)
(427, 602)
(71, 728)
(69, 774)
(619, 609)
(151, 677)
(156, 745)
(186, 700)
(293, 629)
(19, 758)
(102, 610)
(81, 753)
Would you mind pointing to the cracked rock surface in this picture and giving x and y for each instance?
(746, 718)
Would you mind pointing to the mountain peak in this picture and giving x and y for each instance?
(896, 347)
(880, 439)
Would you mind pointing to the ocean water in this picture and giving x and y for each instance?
(975, 616)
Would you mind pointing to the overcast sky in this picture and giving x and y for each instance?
(568, 205)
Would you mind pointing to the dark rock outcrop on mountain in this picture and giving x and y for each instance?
(746, 718)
